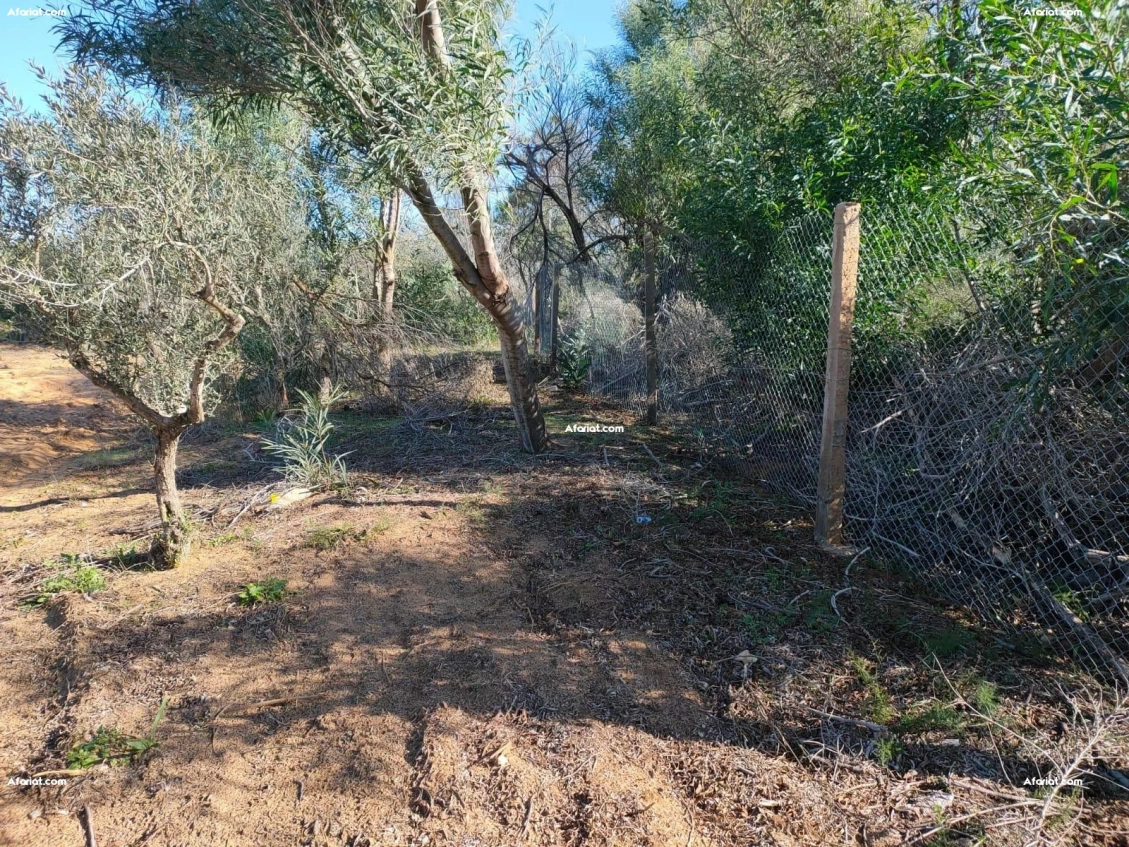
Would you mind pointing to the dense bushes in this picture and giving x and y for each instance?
(431, 299)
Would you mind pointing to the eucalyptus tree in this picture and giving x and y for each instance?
(420, 98)
(132, 243)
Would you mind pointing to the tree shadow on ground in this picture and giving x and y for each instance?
(518, 586)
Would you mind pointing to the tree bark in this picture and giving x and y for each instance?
(519, 379)
(487, 283)
(384, 279)
(171, 546)
(482, 273)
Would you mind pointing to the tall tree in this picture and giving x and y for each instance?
(418, 98)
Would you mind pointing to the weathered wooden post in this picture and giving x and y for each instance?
(833, 444)
(650, 342)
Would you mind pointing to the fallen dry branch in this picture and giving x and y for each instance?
(88, 823)
(239, 708)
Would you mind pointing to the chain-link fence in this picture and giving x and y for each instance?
(988, 437)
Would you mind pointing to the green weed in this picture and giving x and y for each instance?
(887, 749)
(716, 504)
(765, 627)
(268, 591)
(327, 538)
(77, 577)
(818, 615)
(113, 747)
(945, 643)
(380, 526)
(985, 697)
(937, 717)
(878, 700)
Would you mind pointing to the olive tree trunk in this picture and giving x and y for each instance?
(171, 547)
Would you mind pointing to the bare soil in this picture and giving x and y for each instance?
(479, 647)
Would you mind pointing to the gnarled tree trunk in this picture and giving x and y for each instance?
(171, 547)
(480, 271)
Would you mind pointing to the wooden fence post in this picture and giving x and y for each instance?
(833, 444)
(650, 342)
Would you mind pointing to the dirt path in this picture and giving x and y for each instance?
(472, 651)
(49, 413)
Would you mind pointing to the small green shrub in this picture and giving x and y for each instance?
(268, 591)
(300, 443)
(113, 747)
(887, 749)
(574, 361)
(77, 577)
(878, 700)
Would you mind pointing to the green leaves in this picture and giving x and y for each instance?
(268, 591)
(119, 212)
(357, 69)
(111, 746)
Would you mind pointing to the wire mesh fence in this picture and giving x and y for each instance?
(988, 438)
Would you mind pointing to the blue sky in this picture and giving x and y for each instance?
(590, 24)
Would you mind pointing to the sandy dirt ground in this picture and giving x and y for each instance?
(475, 648)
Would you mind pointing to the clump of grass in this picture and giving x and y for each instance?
(937, 717)
(380, 526)
(985, 697)
(327, 538)
(765, 627)
(887, 749)
(268, 591)
(300, 443)
(471, 509)
(717, 504)
(246, 535)
(818, 614)
(945, 642)
(878, 700)
(126, 555)
(110, 746)
(75, 576)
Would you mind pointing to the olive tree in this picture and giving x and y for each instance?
(420, 97)
(131, 241)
